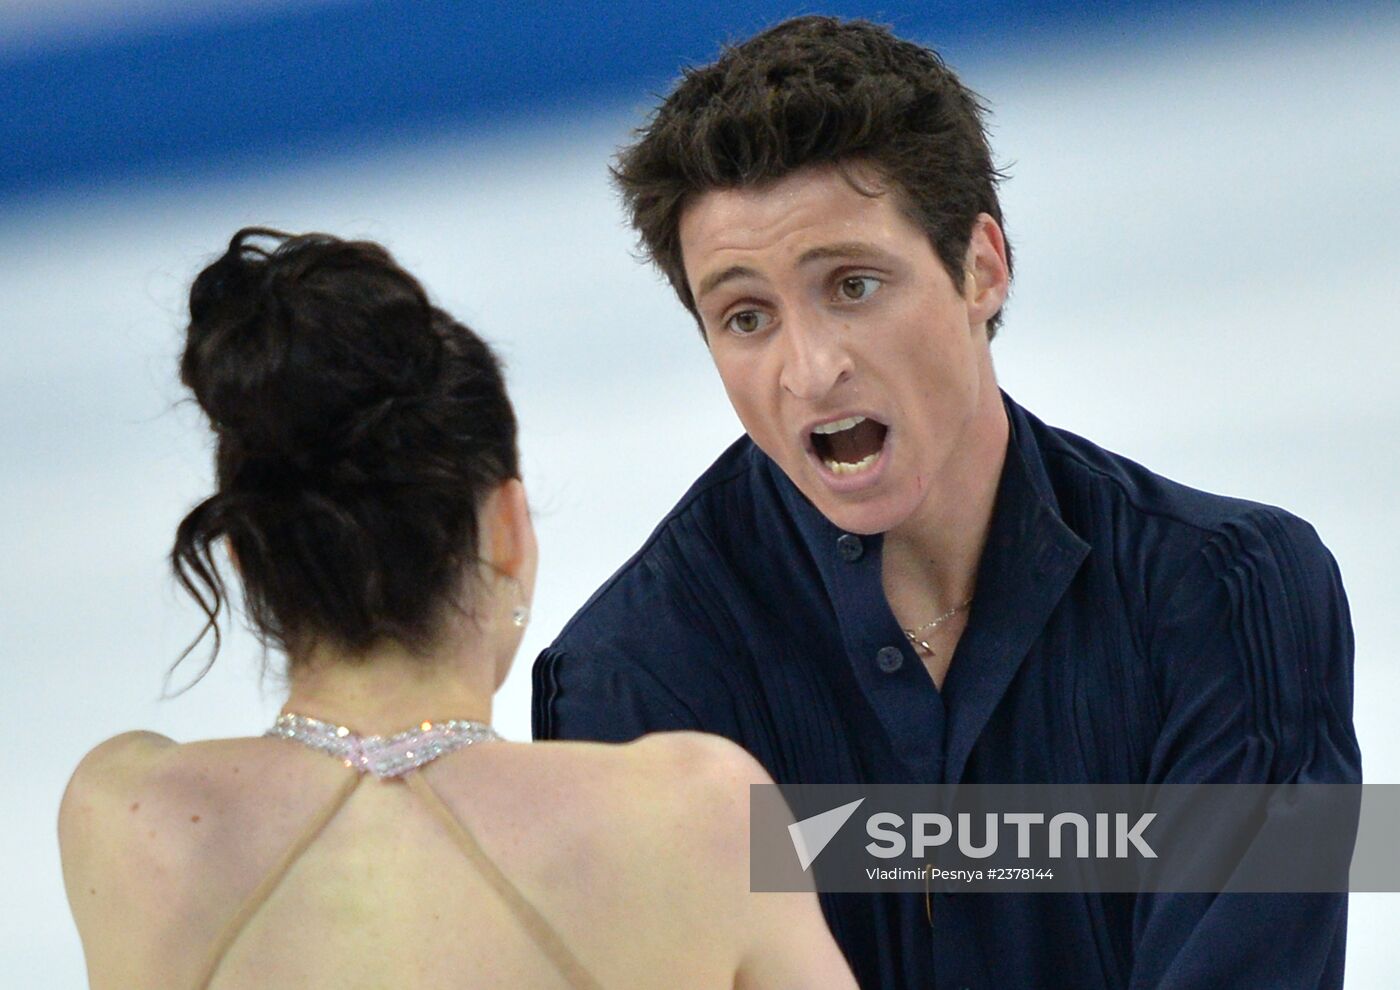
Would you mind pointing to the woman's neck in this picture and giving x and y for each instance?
(391, 689)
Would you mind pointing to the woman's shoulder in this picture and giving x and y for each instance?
(703, 782)
(655, 828)
(677, 796)
(711, 771)
(684, 767)
(135, 800)
(106, 823)
(143, 762)
(109, 771)
(120, 750)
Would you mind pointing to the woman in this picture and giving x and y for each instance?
(369, 498)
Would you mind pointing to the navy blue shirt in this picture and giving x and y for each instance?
(1125, 629)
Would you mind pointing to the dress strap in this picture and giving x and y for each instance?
(269, 883)
(534, 923)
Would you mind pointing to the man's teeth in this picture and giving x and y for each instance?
(827, 429)
(840, 467)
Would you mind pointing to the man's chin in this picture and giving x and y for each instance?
(864, 518)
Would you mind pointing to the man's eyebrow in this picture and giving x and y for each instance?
(845, 249)
(714, 280)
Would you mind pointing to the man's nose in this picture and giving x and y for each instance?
(816, 359)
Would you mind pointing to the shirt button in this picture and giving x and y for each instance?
(889, 659)
(849, 547)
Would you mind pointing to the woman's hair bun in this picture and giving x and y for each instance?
(290, 343)
(358, 429)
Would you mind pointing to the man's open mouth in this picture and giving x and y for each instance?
(849, 446)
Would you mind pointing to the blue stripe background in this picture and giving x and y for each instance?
(283, 83)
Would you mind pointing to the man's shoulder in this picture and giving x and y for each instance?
(666, 642)
(1167, 540)
(665, 580)
(1113, 495)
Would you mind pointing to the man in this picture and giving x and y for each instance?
(901, 576)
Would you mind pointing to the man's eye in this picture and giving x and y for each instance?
(859, 287)
(747, 322)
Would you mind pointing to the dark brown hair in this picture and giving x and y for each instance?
(357, 428)
(815, 91)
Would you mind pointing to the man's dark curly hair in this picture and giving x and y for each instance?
(815, 91)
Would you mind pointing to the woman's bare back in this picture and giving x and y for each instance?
(635, 856)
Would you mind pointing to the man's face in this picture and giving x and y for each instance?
(847, 351)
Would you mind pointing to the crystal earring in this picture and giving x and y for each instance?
(519, 616)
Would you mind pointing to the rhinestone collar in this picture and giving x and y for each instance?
(383, 756)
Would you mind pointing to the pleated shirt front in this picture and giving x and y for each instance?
(1125, 629)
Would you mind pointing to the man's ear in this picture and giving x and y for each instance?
(986, 280)
(507, 536)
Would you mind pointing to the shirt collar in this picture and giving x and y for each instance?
(1028, 561)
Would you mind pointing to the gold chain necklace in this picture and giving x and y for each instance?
(919, 636)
